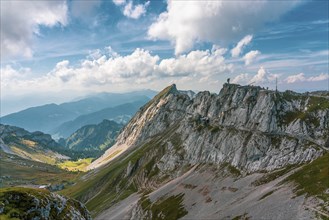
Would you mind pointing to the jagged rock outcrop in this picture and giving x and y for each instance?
(204, 154)
(26, 203)
(246, 126)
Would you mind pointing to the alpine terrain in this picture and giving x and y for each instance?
(93, 126)
(245, 153)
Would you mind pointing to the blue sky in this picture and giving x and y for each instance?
(57, 50)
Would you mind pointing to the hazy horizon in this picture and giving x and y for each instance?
(23, 102)
(55, 51)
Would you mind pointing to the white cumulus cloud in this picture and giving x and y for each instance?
(302, 78)
(135, 11)
(262, 77)
(237, 50)
(241, 78)
(320, 77)
(186, 22)
(250, 57)
(295, 78)
(139, 67)
(20, 21)
(9, 74)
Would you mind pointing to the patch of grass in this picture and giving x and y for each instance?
(113, 154)
(151, 169)
(165, 208)
(266, 195)
(214, 129)
(145, 202)
(313, 178)
(314, 104)
(272, 176)
(291, 116)
(231, 169)
(306, 116)
(15, 171)
(189, 186)
(33, 154)
(318, 103)
(241, 217)
(200, 128)
(234, 170)
(291, 96)
(232, 189)
(29, 143)
(176, 141)
(79, 165)
(276, 141)
(27, 203)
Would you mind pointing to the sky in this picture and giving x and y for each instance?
(55, 51)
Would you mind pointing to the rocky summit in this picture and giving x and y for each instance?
(251, 128)
(246, 152)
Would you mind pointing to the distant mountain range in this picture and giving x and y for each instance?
(120, 114)
(89, 141)
(35, 146)
(48, 118)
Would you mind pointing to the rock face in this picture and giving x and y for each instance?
(215, 156)
(24, 203)
(248, 127)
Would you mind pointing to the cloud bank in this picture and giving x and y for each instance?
(108, 68)
(20, 20)
(185, 23)
(302, 78)
(264, 77)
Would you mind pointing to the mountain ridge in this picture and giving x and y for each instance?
(245, 140)
(271, 116)
(120, 114)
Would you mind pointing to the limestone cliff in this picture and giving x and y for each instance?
(246, 126)
(215, 156)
